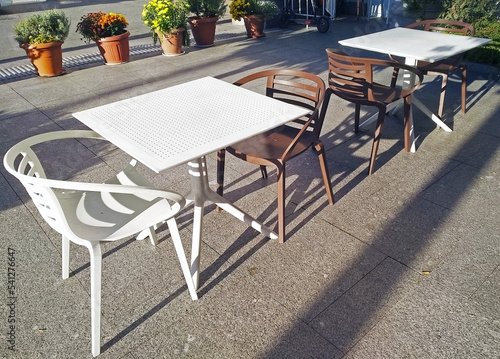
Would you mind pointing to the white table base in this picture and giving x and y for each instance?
(200, 193)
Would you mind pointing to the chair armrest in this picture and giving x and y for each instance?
(287, 153)
(396, 66)
(399, 66)
(112, 188)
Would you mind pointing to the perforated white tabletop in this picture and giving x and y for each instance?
(172, 126)
(416, 44)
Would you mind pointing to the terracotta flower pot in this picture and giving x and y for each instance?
(254, 25)
(171, 43)
(46, 58)
(115, 49)
(203, 30)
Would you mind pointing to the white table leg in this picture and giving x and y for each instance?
(429, 113)
(196, 244)
(411, 82)
(200, 193)
(415, 101)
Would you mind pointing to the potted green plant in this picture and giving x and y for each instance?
(109, 33)
(168, 22)
(41, 36)
(203, 22)
(254, 14)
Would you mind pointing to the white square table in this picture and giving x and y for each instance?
(165, 128)
(414, 45)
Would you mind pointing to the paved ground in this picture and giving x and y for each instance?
(406, 264)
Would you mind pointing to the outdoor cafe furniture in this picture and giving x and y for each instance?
(89, 214)
(276, 146)
(162, 137)
(352, 79)
(415, 45)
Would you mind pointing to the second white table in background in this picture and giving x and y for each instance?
(415, 45)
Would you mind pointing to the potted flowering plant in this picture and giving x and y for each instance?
(203, 22)
(41, 36)
(254, 13)
(110, 34)
(168, 22)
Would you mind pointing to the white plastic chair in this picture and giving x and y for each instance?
(91, 213)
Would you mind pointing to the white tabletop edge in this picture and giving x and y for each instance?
(390, 42)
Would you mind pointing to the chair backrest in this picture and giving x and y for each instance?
(22, 162)
(51, 197)
(347, 76)
(351, 78)
(441, 25)
(295, 87)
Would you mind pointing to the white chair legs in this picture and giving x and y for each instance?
(95, 296)
(96, 273)
(65, 257)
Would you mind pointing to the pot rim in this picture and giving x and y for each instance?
(43, 45)
(114, 38)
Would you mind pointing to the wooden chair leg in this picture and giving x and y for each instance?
(357, 111)
(319, 148)
(394, 79)
(221, 161)
(444, 83)
(376, 139)
(281, 203)
(263, 171)
(464, 88)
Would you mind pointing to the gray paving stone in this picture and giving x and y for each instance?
(352, 315)
(432, 321)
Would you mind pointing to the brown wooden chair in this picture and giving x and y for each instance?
(445, 67)
(351, 78)
(276, 147)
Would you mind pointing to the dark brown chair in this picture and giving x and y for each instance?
(351, 78)
(445, 67)
(275, 147)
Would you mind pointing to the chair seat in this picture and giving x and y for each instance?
(90, 217)
(104, 216)
(379, 93)
(444, 66)
(272, 144)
